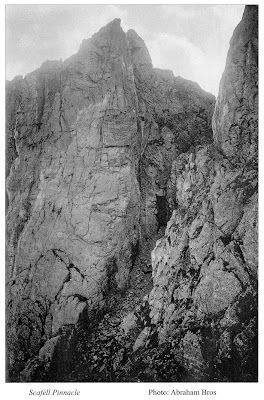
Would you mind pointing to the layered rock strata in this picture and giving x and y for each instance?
(90, 144)
(204, 299)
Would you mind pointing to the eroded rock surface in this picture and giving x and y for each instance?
(174, 115)
(204, 300)
(90, 143)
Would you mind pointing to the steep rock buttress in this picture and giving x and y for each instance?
(90, 144)
(204, 301)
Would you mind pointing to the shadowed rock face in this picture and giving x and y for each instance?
(90, 145)
(174, 115)
(204, 299)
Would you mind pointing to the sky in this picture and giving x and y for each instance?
(190, 40)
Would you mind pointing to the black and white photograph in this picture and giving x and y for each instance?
(131, 185)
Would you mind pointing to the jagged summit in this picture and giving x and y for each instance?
(114, 22)
(111, 28)
(112, 39)
(139, 51)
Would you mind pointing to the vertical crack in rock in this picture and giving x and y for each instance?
(173, 115)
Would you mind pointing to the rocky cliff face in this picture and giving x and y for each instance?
(90, 146)
(204, 301)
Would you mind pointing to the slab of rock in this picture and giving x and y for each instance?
(141, 339)
(129, 322)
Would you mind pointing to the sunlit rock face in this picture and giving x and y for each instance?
(90, 145)
(204, 299)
